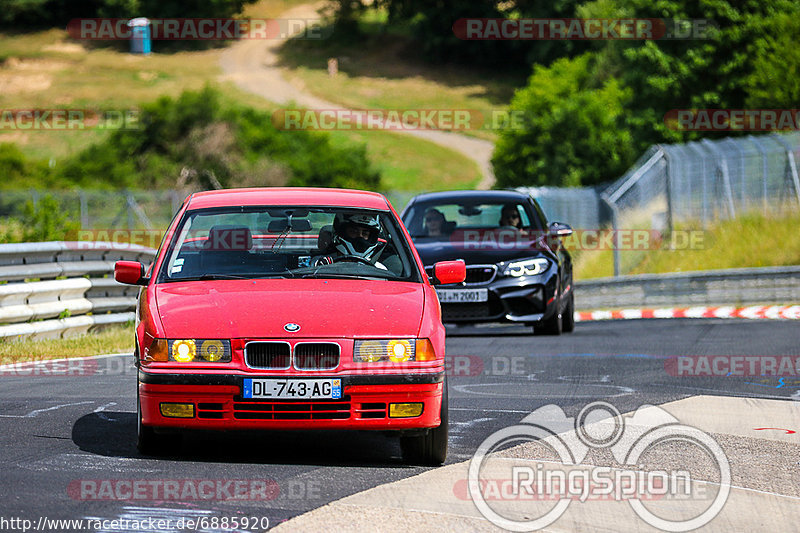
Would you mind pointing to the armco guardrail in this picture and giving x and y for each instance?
(744, 286)
(32, 298)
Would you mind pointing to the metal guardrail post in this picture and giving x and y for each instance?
(764, 169)
(722, 164)
(791, 165)
(668, 184)
(614, 227)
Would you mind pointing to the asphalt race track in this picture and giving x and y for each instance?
(63, 433)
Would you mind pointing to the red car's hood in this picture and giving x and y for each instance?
(260, 308)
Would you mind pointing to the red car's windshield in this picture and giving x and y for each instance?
(282, 241)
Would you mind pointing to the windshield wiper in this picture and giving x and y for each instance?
(209, 277)
(324, 275)
(212, 277)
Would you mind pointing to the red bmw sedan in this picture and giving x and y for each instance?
(290, 308)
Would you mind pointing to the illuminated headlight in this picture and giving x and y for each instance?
(200, 350)
(528, 267)
(394, 351)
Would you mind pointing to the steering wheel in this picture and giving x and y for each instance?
(354, 258)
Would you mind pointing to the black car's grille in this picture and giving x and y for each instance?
(481, 274)
(476, 274)
(316, 356)
(273, 355)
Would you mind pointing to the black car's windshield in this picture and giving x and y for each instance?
(442, 220)
(287, 242)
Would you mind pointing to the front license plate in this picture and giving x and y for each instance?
(462, 295)
(293, 389)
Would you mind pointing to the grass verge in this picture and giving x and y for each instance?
(381, 70)
(748, 241)
(113, 339)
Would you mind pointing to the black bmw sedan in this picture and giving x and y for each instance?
(517, 269)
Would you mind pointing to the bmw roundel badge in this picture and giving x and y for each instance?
(291, 327)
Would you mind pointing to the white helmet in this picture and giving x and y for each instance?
(369, 248)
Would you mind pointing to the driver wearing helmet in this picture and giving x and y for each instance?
(355, 238)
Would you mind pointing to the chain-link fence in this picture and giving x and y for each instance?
(579, 207)
(112, 209)
(700, 182)
(96, 209)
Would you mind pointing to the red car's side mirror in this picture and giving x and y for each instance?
(130, 273)
(446, 272)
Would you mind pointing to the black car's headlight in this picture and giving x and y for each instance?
(526, 267)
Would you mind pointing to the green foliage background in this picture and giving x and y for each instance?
(200, 136)
(593, 107)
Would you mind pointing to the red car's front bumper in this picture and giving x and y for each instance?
(218, 403)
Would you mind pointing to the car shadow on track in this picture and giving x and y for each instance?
(488, 330)
(113, 434)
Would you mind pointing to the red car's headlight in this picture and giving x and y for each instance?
(393, 350)
(189, 350)
(200, 350)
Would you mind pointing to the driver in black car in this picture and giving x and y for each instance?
(355, 238)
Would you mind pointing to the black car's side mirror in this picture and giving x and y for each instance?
(559, 229)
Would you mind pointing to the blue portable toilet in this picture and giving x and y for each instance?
(140, 35)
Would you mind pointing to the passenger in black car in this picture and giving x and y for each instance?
(509, 216)
(434, 223)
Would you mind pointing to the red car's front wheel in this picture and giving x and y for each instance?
(429, 448)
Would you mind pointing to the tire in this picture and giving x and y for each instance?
(429, 449)
(568, 320)
(148, 442)
(553, 325)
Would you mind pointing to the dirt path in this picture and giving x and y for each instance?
(253, 65)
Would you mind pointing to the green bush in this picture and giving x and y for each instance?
(17, 171)
(210, 143)
(44, 221)
(574, 131)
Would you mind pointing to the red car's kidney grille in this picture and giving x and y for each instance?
(292, 410)
(272, 355)
(316, 356)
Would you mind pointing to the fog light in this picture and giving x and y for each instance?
(177, 410)
(404, 410)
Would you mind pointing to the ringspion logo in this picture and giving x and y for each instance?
(517, 493)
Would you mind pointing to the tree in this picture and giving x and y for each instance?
(574, 132)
